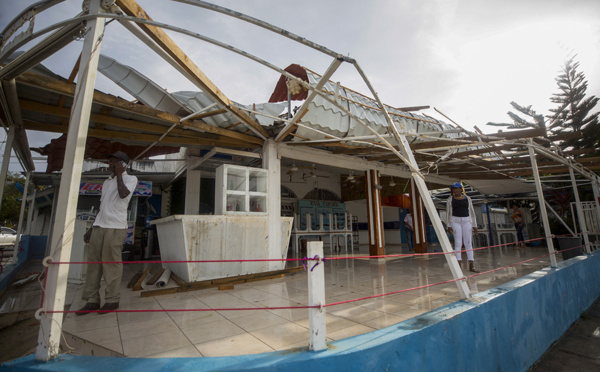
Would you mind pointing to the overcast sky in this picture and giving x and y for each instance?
(468, 58)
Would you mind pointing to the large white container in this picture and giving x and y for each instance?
(228, 237)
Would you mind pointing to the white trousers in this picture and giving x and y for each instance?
(463, 233)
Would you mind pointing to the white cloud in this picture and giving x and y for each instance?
(468, 58)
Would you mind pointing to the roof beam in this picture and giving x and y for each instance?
(131, 8)
(137, 137)
(57, 86)
(103, 119)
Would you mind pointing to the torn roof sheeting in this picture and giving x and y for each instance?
(140, 87)
(182, 103)
(327, 117)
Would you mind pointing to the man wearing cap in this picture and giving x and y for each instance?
(106, 237)
(461, 222)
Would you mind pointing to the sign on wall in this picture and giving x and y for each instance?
(143, 188)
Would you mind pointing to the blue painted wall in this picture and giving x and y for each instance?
(506, 328)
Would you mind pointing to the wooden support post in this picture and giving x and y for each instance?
(374, 214)
(276, 246)
(62, 232)
(418, 212)
(192, 184)
(316, 297)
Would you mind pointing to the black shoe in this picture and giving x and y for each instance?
(108, 307)
(87, 308)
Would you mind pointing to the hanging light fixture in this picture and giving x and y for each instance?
(392, 183)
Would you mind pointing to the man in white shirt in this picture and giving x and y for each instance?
(106, 237)
(408, 224)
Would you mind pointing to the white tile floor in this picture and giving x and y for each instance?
(221, 333)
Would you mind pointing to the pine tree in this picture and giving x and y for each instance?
(573, 111)
(534, 120)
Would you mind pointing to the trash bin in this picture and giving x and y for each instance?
(568, 242)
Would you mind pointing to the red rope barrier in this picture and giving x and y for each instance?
(182, 310)
(314, 306)
(292, 259)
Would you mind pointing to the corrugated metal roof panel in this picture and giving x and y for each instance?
(139, 86)
(325, 116)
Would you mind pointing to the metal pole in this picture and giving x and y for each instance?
(409, 160)
(63, 229)
(580, 216)
(14, 258)
(30, 213)
(542, 203)
(10, 137)
(316, 297)
(489, 219)
(559, 218)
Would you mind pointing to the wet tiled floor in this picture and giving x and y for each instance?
(229, 332)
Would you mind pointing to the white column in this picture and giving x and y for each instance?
(14, 258)
(10, 138)
(580, 216)
(596, 190)
(542, 204)
(192, 188)
(63, 228)
(316, 297)
(277, 248)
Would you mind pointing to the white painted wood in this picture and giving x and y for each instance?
(228, 237)
(277, 244)
(316, 297)
(62, 232)
(192, 188)
(241, 190)
(542, 203)
(580, 216)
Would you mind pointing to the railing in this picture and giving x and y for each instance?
(314, 265)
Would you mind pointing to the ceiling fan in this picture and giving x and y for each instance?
(312, 174)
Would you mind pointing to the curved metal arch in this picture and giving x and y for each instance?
(196, 35)
(267, 26)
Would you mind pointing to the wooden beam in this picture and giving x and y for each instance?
(57, 86)
(131, 8)
(211, 283)
(105, 119)
(137, 137)
(210, 113)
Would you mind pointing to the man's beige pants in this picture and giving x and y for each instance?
(105, 245)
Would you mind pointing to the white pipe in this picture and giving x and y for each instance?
(542, 204)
